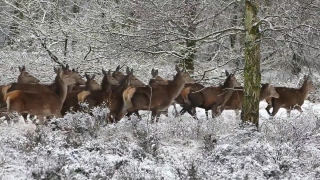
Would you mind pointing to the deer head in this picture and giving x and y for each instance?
(26, 77)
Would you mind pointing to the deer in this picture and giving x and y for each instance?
(41, 104)
(43, 87)
(206, 97)
(111, 93)
(38, 87)
(154, 98)
(97, 97)
(25, 77)
(199, 94)
(119, 76)
(237, 97)
(76, 75)
(157, 80)
(290, 98)
(72, 96)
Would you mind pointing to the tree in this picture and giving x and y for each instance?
(252, 75)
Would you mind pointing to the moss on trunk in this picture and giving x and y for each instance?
(252, 75)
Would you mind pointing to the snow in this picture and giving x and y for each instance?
(174, 148)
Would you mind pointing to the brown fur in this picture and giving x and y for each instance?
(290, 98)
(236, 99)
(82, 96)
(207, 97)
(25, 77)
(157, 80)
(153, 98)
(40, 104)
(184, 94)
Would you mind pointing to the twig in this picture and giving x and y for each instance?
(204, 73)
(85, 57)
(52, 56)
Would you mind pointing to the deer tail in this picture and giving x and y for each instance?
(10, 96)
(127, 96)
(184, 94)
(5, 89)
(82, 96)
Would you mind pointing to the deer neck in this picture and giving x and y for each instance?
(175, 87)
(61, 89)
(304, 90)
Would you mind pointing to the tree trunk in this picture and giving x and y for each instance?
(252, 75)
(190, 52)
(233, 37)
(14, 28)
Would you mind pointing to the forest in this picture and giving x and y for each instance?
(232, 86)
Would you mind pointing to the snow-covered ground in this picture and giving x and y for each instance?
(174, 148)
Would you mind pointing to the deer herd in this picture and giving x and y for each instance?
(125, 95)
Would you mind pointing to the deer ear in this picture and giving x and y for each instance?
(128, 70)
(156, 72)
(152, 72)
(55, 70)
(67, 66)
(118, 68)
(92, 78)
(20, 69)
(109, 72)
(131, 71)
(177, 68)
(227, 73)
(104, 72)
(23, 68)
(87, 76)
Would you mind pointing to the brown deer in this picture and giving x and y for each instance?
(72, 96)
(195, 95)
(290, 98)
(25, 77)
(207, 97)
(157, 80)
(236, 99)
(97, 97)
(111, 93)
(119, 76)
(152, 98)
(73, 74)
(41, 104)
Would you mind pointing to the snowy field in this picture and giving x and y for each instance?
(79, 147)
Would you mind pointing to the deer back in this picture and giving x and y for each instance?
(161, 96)
(235, 101)
(40, 103)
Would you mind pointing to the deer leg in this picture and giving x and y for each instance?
(137, 114)
(175, 109)
(129, 115)
(288, 112)
(275, 110)
(207, 116)
(155, 115)
(121, 114)
(268, 109)
(109, 118)
(214, 110)
(25, 117)
(41, 120)
(297, 107)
